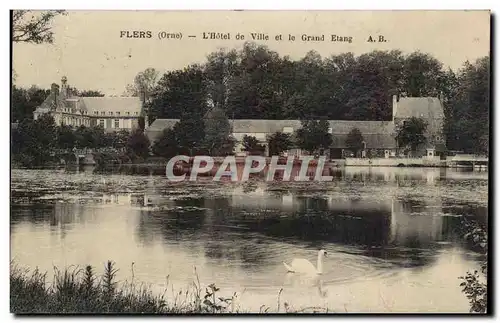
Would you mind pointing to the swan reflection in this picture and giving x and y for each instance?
(305, 281)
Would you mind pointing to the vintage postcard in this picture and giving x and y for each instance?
(173, 162)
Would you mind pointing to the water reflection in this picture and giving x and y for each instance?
(397, 229)
(377, 224)
(315, 282)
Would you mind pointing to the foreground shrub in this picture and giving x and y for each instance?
(82, 291)
(474, 283)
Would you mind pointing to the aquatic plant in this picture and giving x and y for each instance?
(474, 284)
(77, 290)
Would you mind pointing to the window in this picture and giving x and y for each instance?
(96, 113)
(330, 130)
(117, 123)
(118, 114)
(101, 123)
(260, 136)
(103, 113)
(110, 113)
(136, 113)
(287, 129)
(438, 138)
(128, 113)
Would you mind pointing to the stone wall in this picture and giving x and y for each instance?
(394, 162)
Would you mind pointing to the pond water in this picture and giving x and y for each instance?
(393, 235)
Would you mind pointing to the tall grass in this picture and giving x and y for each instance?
(81, 290)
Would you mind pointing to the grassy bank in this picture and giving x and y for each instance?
(75, 290)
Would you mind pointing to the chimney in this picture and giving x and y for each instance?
(64, 87)
(395, 100)
(54, 94)
(54, 89)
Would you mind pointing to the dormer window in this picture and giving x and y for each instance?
(128, 113)
(103, 113)
(96, 112)
(118, 113)
(110, 113)
(136, 113)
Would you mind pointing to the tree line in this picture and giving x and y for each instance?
(257, 83)
(35, 142)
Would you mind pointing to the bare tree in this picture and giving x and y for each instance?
(33, 26)
(144, 83)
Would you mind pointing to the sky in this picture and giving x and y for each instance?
(89, 51)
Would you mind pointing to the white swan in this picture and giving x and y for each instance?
(305, 266)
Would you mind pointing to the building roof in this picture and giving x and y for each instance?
(113, 104)
(271, 126)
(378, 133)
(385, 141)
(429, 108)
(91, 104)
(64, 99)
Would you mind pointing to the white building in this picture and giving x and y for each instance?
(111, 113)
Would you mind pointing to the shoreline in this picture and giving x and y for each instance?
(80, 290)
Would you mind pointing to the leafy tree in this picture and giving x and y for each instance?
(144, 83)
(179, 93)
(474, 284)
(138, 144)
(84, 138)
(185, 138)
(90, 93)
(141, 123)
(218, 140)
(467, 109)
(66, 137)
(313, 135)
(279, 142)
(73, 91)
(354, 141)
(34, 141)
(25, 101)
(255, 89)
(252, 145)
(374, 77)
(33, 26)
(422, 76)
(91, 137)
(256, 83)
(220, 72)
(166, 145)
(117, 139)
(190, 134)
(411, 133)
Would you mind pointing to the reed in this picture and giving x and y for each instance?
(80, 290)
